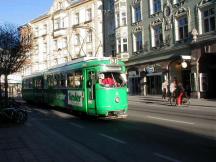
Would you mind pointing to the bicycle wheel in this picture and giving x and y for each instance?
(186, 101)
(172, 101)
(19, 117)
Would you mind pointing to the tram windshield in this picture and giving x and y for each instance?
(112, 79)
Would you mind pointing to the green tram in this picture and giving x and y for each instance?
(79, 85)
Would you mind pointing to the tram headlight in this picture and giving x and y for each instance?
(117, 99)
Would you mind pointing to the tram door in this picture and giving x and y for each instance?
(90, 88)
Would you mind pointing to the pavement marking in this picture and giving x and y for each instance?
(176, 121)
(112, 138)
(77, 125)
(166, 157)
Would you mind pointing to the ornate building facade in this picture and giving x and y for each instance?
(171, 38)
(70, 29)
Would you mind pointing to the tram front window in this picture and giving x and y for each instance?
(112, 79)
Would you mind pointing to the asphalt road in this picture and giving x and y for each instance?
(151, 133)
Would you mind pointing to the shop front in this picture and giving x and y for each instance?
(134, 84)
(204, 70)
(155, 76)
(147, 79)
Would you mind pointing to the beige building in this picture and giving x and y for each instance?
(69, 30)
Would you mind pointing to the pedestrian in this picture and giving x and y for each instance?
(164, 89)
(179, 93)
(173, 87)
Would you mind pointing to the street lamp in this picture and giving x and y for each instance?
(185, 59)
(184, 64)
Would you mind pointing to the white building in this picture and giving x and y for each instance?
(70, 29)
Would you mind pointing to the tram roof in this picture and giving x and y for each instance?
(75, 64)
(80, 63)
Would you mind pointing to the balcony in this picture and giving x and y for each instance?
(59, 32)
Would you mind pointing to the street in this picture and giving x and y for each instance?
(152, 132)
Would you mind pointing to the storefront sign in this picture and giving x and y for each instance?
(150, 69)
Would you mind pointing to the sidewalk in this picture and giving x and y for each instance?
(158, 100)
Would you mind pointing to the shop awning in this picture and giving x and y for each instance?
(151, 59)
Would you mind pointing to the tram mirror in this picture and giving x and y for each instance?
(92, 76)
(89, 83)
(101, 76)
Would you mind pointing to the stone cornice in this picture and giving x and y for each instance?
(42, 17)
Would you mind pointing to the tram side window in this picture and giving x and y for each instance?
(70, 80)
(38, 83)
(75, 79)
(30, 83)
(63, 80)
(26, 84)
(59, 81)
(50, 81)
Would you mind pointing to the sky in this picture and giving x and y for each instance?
(20, 12)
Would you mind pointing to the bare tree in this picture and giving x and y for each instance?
(13, 51)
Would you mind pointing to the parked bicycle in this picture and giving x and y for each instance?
(14, 113)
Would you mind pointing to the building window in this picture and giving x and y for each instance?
(137, 15)
(119, 45)
(157, 6)
(36, 31)
(60, 5)
(138, 41)
(122, 45)
(44, 48)
(64, 43)
(77, 40)
(183, 28)
(175, 1)
(55, 45)
(89, 36)
(44, 29)
(36, 48)
(65, 22)
(76, 18)
(209, 20)
(124, 19)
(57, 23)
(111, 5)
(117, 20)
(89, 14)
(117, 7)
(125, 46)
(157, 36)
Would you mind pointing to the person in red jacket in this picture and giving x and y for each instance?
(108, 81)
